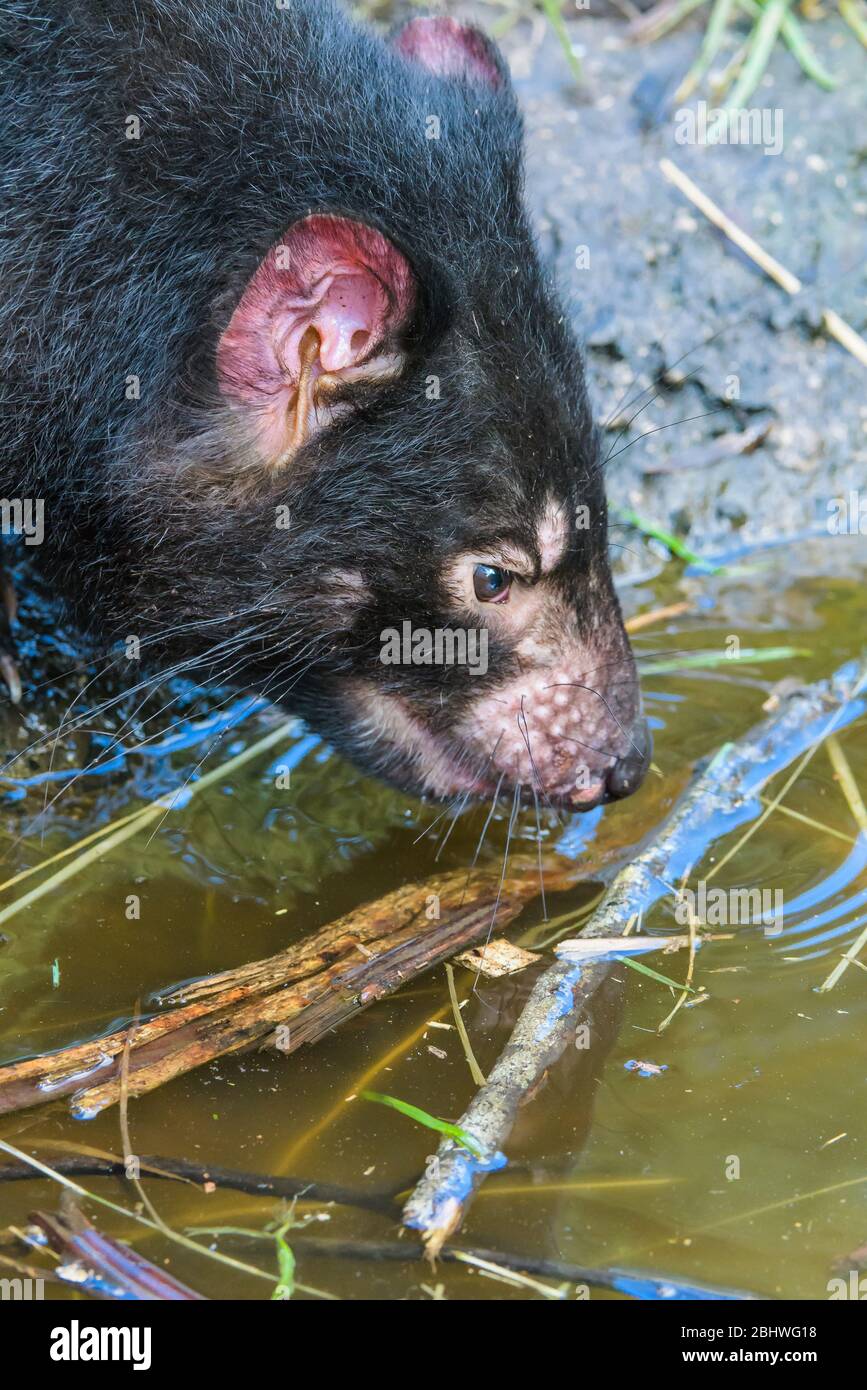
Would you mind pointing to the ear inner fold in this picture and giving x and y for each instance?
(329, 300)
(310, 349)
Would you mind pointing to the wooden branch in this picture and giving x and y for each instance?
(722, 797)
(289, 999)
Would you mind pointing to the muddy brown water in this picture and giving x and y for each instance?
(765, 1077)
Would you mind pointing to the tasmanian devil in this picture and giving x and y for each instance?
(279, 360)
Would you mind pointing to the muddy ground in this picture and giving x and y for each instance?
(661, 281)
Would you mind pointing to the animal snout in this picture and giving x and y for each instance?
(629, 771)
(620, 776)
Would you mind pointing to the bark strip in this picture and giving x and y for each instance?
(285, 1001)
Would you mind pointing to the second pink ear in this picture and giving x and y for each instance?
(448, 48)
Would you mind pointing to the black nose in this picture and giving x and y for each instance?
(627, 774)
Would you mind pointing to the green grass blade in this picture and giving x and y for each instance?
(713, 38)
(856, 17)
(286, 1263)
(422, 1117)
(672, 543)
(653, 974)
(697, 661)
(762, 40)
(554, 12)
(799, 46)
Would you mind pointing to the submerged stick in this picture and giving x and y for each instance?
(214, 1178)
(635, 1283)
(721, 798)
(284, 1001)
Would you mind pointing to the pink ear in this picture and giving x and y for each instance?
(448, 48)
(330, 273)
(326, 300)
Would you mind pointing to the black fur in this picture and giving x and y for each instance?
(126, 257)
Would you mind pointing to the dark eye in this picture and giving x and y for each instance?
(491, 584)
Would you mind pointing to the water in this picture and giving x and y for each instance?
(741, 1164)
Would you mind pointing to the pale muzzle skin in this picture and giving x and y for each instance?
(552, 736)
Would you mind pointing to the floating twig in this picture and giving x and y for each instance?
(475, 1070)
(848, 785)
(639, 621)
(215, 1255)
(771, 805)
(859, 812)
